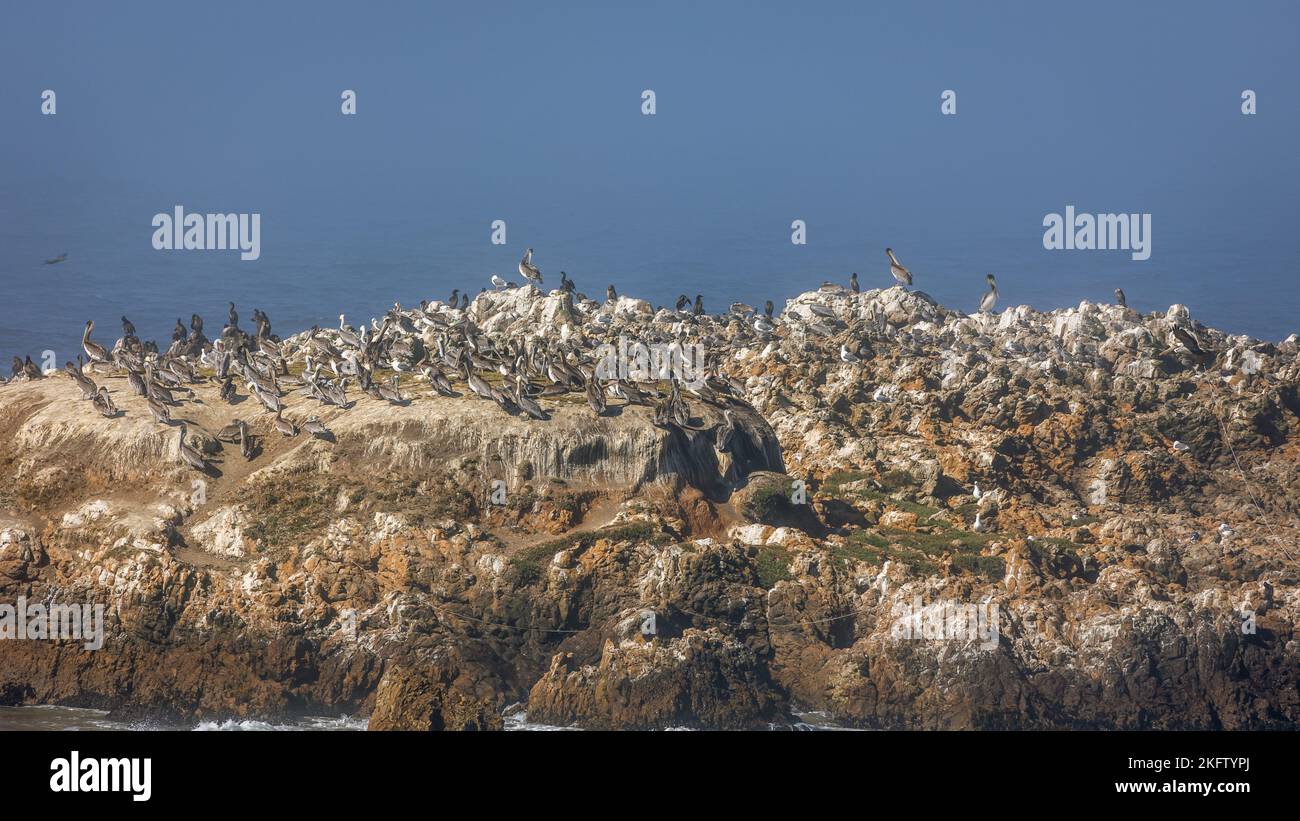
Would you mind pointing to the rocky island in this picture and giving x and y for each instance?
(1111, 496)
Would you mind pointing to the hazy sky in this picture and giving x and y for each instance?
(767, 112)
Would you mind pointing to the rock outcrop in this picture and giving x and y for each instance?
(1008, 520)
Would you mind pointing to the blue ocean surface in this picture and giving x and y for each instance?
(534, 115)
(324, 256)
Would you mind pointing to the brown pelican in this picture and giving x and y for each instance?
(31, 370)
(315, 427)
(245, 441)
(595, 397)
(610, 294)
(526, 403)
(228, 388)
(104, 403)
(901, 274)
(285, 426)
(187, 454)
(528, 270)
(160, 412)
(991, 298)
(1186, 340)
(94, 351)
(88, 389)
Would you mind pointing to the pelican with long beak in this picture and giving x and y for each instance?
(901, 274)
(991, 298)
(94, 351)
(187, 454)
(528, 270)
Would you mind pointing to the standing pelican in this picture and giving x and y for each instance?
(284, 425)
(187, 454)
(901, 274)
(991, 298)
(595, 397)
(104, 403)
(528, 270)
(610, 294)
(94, 351)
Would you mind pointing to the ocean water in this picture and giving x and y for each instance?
(324, 253)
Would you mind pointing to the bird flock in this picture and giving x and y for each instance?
(441, 346)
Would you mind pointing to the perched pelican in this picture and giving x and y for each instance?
(315, 427)
(245, 440)
(87, 385)
(284, 425)
(595, 397)
(94, 351)
(160, 413)
(853, 283)
(528, 270)
(610, 294)
(901, 274)
(187, 454)
(104, 403)
(991, 298)
(682, 302)
(1119, 298)
(1189, 342)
